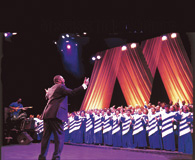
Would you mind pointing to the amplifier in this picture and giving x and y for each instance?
(28, 124)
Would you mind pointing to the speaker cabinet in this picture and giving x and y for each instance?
(28, 125)
(24, 138)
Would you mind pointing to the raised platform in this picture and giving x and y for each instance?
(89, 152)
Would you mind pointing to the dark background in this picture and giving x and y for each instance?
(31, 60)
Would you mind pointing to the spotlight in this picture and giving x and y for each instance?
(62, 50)
(5, 34)
(164, 38)
(67, 35)
(173, 35)
(124, 48)
(14, 33)
(93, 58)
(55, 42)
(78, 35)
(76, 44)
(98, 57)
(133, 45)
(63, 36)
(68, 46)
(84, 33)
(67, 41)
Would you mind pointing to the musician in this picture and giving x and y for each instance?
(15, 108)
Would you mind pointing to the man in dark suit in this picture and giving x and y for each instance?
(55, 113)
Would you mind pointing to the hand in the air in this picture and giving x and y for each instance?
(46, 90)
(86, 81)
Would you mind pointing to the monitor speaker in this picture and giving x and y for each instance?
(24, 138)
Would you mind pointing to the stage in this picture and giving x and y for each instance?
(89, 152)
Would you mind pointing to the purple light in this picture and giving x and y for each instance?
(68, 46)
(7, 34)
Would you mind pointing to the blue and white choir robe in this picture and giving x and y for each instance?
(185, 144)
(139, 132)
(66, 130)
(167, 131)
(117, 131)
(89, 129)
(155, 140)
(191, 124)
(127, 131)
(145, 118)
(97, 129)
(107, 130)
(81, 130)
(77, 126)
(158, 115)
(72, 131)
(176, 129)
(39, 129)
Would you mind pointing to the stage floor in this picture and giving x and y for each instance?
(88, 152)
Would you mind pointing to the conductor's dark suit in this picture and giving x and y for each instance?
(54, 114)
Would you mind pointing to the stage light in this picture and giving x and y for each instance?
(67, 41)
(98, 57)
(76, 44)
(5, 34)
(164, 38)
(124, 48)
(55, 42)
(173, 35)
(63, 36)
(68, 46)
(93, 58)
(14, 33)
(67, 35)
(84, 33)
(133, 45)
(78, 35)
(62, 50)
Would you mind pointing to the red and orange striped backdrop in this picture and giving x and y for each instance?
(135, 69)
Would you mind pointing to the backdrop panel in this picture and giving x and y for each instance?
(175, 69)
(134, 76)
(100, 89)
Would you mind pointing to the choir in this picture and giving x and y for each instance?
(163, 127)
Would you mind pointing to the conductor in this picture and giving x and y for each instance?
(55, 113)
